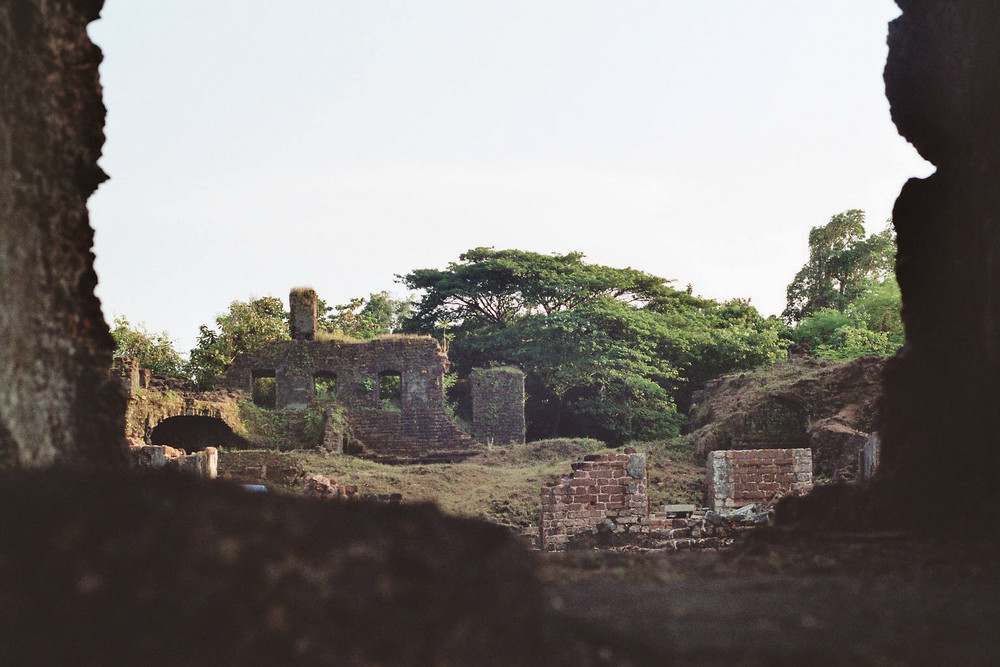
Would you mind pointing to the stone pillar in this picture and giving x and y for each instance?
(497, 405)
(303, 303)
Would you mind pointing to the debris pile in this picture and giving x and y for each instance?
(325, 488)
(686, 527)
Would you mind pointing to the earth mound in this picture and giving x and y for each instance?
(826, 405)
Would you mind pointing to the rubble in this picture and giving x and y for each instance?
(203, 463)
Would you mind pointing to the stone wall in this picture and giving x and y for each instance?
(740, 477)
(417, 425)
(497, 405)
(604, 497)
(57, 401)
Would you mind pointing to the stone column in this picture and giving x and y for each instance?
(303, 303)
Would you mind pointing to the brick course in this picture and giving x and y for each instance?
(740, 477)
(605, 493)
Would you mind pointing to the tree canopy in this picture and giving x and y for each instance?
(153, 351)
(244, 327)
(608, 353)
(497, 287)
(364, 318)
(842, 264)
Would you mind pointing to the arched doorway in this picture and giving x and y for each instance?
(195, 432)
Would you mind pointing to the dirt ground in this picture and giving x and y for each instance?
(862, 599)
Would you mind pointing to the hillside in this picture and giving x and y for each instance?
(829, 406)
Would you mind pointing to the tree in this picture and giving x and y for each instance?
(497, 287)
(842, 263)
(245, 327)
(870, 325)
(365, 318)
(607, 352)
(597, 369)
(154, 351)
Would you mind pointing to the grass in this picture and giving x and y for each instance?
(502, 485)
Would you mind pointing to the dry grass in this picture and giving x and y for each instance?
(341, 337)
(501, 485)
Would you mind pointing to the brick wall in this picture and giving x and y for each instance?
(740, 477)
(604, 495)
(497, 405)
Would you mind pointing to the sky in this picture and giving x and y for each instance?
(258, 146)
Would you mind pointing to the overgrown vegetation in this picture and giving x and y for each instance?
(608, 353)
(154, 351)
(845, 301)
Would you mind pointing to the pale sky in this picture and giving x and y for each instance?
(257, 146)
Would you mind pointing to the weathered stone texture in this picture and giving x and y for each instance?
(942, 392)
(204, 463)
(497, 405)
(302, 305)
(57, 402)
(740, 477)
(605, 497)
(419, 424)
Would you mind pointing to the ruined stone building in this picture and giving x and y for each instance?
(85, 560)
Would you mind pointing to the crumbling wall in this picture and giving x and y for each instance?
(418, 425)
(605, 496)
(57, 402)
(740, 477)
(942, 391)
(497, 405)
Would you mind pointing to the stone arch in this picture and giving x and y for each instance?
(210, 422)
(193, 432)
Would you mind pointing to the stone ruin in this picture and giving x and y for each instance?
(497, 405)
(737, 478)
(392, 388)
(59, 409)
(604, 495)
(604, 501)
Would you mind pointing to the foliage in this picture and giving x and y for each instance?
(842, 263)
(497, 287)
(154, 351)
(607, 352)
(845, 302)
(364, 318)
(245, 327)
(870, 325)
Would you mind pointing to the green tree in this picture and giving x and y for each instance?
(497, 287)
(870, 325)
(842, 263)
(245, 327)
(596, 368)
(154, 351)
(365, 318)
(607, 352)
